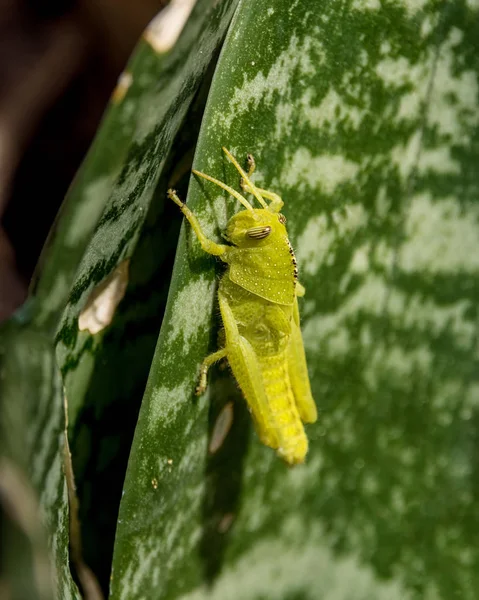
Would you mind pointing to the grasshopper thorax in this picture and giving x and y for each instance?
(262, 260)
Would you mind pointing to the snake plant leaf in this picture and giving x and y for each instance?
(160, 115)
(363, 116)
(157, 86)
(110, 324)
(35, 537)
(150, 68)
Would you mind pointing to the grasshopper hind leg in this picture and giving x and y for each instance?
(245, 366)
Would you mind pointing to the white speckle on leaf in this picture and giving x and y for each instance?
(379, 298)
(332, 109)
(146, 564)
(165, 404)
(265, 571)
(397, 70)
(298, 479)
(410, 104)
(220, 210)
(438, 160)
(263, 88)
(441, 237)
(453, 98)
(313, 244)
(405, 156)
(398, 73)
(394, 360)
(324, 172)
(427, 26)
(385, 47)
(413, 6)
(456, 36)
(366, 5)
(452, 108)
(192, 310)
(284, 119)
(383, 202)
(360, 260)
(317, 243)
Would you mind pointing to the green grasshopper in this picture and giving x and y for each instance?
(258, 298)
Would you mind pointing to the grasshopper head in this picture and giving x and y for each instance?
(248, 229)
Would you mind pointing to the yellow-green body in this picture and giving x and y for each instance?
(259, 308)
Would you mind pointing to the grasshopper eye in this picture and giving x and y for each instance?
(259, 233)
(281, 219)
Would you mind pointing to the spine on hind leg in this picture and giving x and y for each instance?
(292, 440)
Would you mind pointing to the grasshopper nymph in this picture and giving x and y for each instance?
(258, 299)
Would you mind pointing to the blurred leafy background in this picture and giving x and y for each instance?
(363, 115)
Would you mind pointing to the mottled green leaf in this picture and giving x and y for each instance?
(363, 115)
(105, 355)
(35, 547)
(161, 114)
(111, 196)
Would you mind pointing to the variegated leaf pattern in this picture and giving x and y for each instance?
(363, 116)
(34, 490)
(157, 88)
(110, 325)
